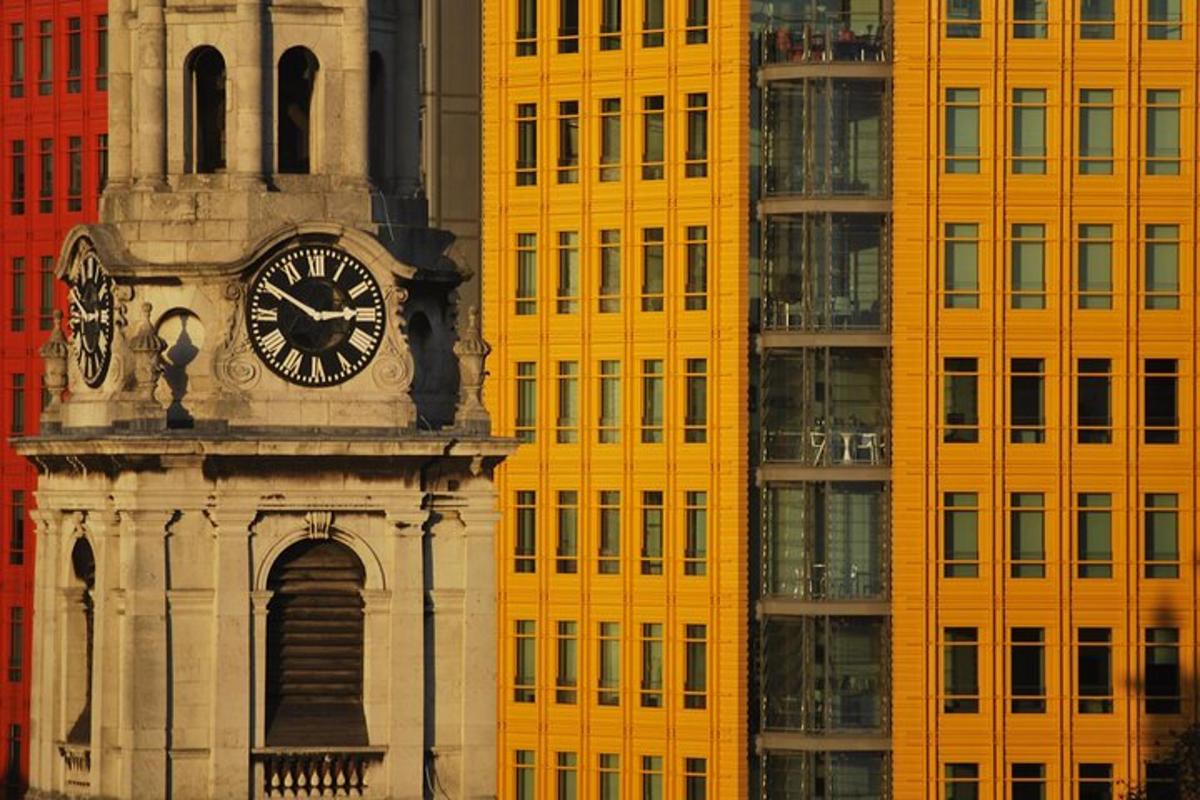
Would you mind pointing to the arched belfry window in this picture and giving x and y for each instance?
(377, 125)
(298, 69)
(315, 648)
(81, 636)
(205, 151)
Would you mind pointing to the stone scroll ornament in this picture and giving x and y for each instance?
(233, 363)
(394, 366)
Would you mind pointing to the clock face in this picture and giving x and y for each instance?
(315, 315)
(91, 310)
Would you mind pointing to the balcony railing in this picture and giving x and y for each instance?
(77, 768)
(839, 443)
(808, 38)
(310, 772)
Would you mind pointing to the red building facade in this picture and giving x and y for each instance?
(53, 144)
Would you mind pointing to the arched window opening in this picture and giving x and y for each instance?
(81, 635)
(377, 127)
(297, 83)
(206, 110)
(315, 648)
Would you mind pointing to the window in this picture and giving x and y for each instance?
(526, 422)
(609, 693)
(653, 23)
(962, 781)
(610, 139)
(1163, 19)
(1162, 131)
(17, 421)
(696, 157)
(652, 778)
(567, 553)
(74, 173)
(1162, 401)
(610, 402)
(960, 524)
(526, 274)
(525, 550)
(567, 431)
(525, 775)
(695, 419)
(1162, 266)
(74, 55)
(960, 654)
(1161, 677)
(1094, 670)
(1027, 522)
(1162, 781)
(1095, 266)
(653, 147)
(695, 288)
(610, 272)
(695, 540)
(610, 24)
(1161, 523)
(695, 779)
(46, 295)
(1028, 781)
(652, 533)
(1029, 19)
(1027, 664)
(1098, 18)
(101, 161)
(1095, 130)
(16, 538)
(45, 57)
(964, 20)
(695, 657)
(1028, 266)
(525, 660)
(652, 269)
(16, 68)
(568, 141)
(566, 781)
(652, 665)
(298, 69)
(526, 27)
(568, 26)
(962, 265)
(17, 187)
(610, 776)
(566, 677)
(17, 298)
(102, 53)
(1027, 398)
(204, 150)
(652, 400)
(1095, 782)
(609, 555)
(1029, 131)
(527, 144)
(568, 273)
(697, 22)
(16, 644)
(1093, 396)
(1094, 523)
(14, 745)
(46, 184)
(960, 383)
(962, 131)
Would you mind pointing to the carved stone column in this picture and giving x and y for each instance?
(250, 116)
(356, 83)
(120, 97)
(406, 733)
(150, 150)
(43, 678)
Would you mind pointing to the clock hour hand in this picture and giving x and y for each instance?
(348, 313)
(280, 294)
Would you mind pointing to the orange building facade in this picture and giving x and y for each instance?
(1044, 439)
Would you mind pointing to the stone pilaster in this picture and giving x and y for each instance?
(150, 156)
(249, 126)
(406, 733)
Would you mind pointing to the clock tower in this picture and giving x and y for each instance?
(265, 502)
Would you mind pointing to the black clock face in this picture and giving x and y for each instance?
(315, 315)
(90, 308)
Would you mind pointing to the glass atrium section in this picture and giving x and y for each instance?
(806, 31)
(824, 776)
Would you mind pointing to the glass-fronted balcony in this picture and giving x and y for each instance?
(825, 272)
(825, 406)
(825, 776)
(825, 137)
(824, 674)
(824, 541)
(807, 31)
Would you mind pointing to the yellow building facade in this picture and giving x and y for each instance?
(615, 296)
(1044, 446)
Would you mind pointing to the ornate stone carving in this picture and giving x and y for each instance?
(395, 368)
(147, 347)
(472, 352)
(320, 524)
(233, 364)
(54, 355)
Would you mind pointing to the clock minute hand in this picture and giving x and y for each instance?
(346, 314)
(280, 294)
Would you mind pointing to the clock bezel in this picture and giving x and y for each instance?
(106, 323)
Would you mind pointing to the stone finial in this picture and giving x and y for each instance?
(472, 352)
(54, 355)
(147, 348)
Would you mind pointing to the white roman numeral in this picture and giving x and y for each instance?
(272, 290)
(316, 370)
(346, 365)
(316, 264)
(265, 315)
(273, 342)
(367, 314)
(293, 274)
(291, 362)
(361, 288)
(361, 341)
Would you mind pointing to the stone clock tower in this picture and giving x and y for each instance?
(265, 505)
